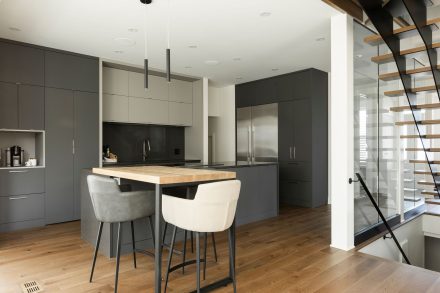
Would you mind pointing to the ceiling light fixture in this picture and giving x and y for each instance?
(265, 14)
(320, 39)
(146, 2)
(211, 62)
(133, 30)
(275, 69)
(192, 46)
(188, 67)
(168, 50)
(118, 52)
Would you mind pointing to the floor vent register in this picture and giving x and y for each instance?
(31, 287)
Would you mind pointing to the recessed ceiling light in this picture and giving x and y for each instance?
(118, 52)
(192, 46)
(133, 30)
(320, 39)
(211, 62)
(265, 14)
(188, 67)
(15, 29)
(125, 41)
(275, 69)
(237, 59)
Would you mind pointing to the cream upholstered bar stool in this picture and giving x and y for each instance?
(212, 210)
(113, 206)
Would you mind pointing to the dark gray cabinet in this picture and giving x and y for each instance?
(69, 71)
(21, 64)
(30, 107)
(302, 99)
(21, 181)
(72, 144)
(59, 155)
(21, 106)
(8, 106)
(86, 139)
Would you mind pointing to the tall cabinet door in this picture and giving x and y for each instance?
(86, 137)
(31, 107)
(302, 130)
(59, 155)
(285, 131)
(8, 106)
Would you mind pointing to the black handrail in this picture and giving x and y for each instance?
(376, 206)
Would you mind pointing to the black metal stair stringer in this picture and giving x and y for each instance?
(382, 18)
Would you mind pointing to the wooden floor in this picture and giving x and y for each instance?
(289, 253)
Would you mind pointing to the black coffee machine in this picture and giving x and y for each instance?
(17, 159)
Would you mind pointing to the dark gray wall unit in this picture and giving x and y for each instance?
(86, 138)
(59, 155)
(21, 64)
(8, 106)
(126, 141)
(302, 131)
(68, 71)
(30, 107)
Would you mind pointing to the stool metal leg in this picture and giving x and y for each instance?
(232, 258)
(184, 250)
(164, 234)
(204, 255)
(170, 257)
(198, 260)
(150, 220)
(214, 246)
(133, 243)
(118, 255)
(98, 240)
(192, 242)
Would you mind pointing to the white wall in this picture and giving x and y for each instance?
(411, 238)
(341, 132)
(196, 136)
(222, 122)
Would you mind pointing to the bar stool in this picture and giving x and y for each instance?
(212, 210)
(113, 206)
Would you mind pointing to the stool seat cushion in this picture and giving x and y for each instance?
(111, 205)
(212, 209)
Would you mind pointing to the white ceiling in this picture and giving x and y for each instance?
(221, 30)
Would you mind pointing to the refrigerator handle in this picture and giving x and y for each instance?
(290, 152)
(253, 144)
(249, 144)
(294, 152)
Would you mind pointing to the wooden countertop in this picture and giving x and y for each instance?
(164, 175)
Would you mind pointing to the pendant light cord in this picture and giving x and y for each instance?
(145, 32)
(169, 23)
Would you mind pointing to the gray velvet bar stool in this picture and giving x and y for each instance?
(113, 206)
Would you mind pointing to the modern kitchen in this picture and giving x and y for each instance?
(114, 147)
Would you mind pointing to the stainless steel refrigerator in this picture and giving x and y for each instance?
(257, 133)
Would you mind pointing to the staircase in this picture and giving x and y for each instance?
(418, 33)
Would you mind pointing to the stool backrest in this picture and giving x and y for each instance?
(218, 202)
(104, 191)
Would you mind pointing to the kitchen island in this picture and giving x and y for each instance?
(258, 200)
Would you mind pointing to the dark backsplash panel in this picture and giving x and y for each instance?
(126, 140)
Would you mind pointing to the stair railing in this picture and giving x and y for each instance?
(382, 217)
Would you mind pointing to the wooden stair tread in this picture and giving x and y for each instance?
(423, 182)
(395, 75)
(420, 122)
(426, 136)
(416, 107)
(423, 172)
(433, 201)
(377, 39)
(386, 58)
(433, 193)
(421, 149)
(397, 93)
(424, 162)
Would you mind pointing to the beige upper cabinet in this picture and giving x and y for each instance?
(115, 81)
(181, 91)
(157, 87)
(180, 114)
(148, 111)
(114, 108)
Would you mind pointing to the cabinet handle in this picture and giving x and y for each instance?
(73, 146)
(18, 171)
(290, 152)
(16, 198)
(294, 152)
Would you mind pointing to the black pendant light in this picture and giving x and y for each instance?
(168, 50)
(145, 42)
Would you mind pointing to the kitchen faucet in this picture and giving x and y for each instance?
(145, 154)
